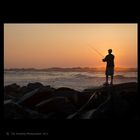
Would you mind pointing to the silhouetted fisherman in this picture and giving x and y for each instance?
(110, 66)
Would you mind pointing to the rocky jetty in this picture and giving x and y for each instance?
(36, 101)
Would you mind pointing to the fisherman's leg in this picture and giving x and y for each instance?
(106, 79)
(112, 73)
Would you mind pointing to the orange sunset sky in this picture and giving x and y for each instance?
(66, 45)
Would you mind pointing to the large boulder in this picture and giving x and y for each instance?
(116, 102)
(35, 96)
(12, 90)
(127, 87)
(7, 96)
(57, 105)
(71, 94)
(14, 111)
(32, 86)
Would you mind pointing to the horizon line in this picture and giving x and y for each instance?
(72, 68)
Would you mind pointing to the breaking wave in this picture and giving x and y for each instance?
(100, 76)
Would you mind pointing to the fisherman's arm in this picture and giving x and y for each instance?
(104, 60)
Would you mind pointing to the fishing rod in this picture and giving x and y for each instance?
(96, 51)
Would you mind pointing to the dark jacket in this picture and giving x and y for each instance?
(110, 60)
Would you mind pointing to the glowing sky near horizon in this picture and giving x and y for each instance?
(66, 45)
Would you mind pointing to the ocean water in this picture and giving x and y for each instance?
(75, 80)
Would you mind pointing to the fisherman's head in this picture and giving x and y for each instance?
(110, 51)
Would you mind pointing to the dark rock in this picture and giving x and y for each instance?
(35, 96)
(7, 97)
(12, 111)
(58, 105)
(116, 102)
(37, 101)
(83, 98)
(7, 101)
(89, 90)
(71, 94)
(24, 90)
(131, 87)
(12, 90)
(32, 86)
(13, 87)
(15, 111)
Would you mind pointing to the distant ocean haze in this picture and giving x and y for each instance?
(81, 69)
(78, 80)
